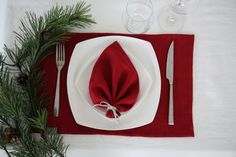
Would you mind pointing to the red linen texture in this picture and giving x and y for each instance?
(182, 88)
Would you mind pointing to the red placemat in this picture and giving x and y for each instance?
(182, 89)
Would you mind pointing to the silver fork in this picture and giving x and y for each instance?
(60, 61)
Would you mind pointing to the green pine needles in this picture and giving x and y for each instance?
(22, 110)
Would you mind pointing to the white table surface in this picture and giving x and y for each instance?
(214, 95)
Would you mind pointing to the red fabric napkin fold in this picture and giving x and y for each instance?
(114, 81)
(182, 88)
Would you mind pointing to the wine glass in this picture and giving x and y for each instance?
(172, 17)
(169, 20)
(183, 6)
(138, 15)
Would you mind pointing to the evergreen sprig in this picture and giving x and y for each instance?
(22, 108)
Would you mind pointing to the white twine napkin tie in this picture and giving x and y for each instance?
(108, 107)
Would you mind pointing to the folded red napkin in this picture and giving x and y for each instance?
(114, 82)
(182, 89)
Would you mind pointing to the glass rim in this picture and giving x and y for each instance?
(127, 12)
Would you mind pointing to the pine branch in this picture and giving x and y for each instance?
(21, 106)
(5, 149)
(4, 121)
(40, 121)
(3, 142)
(55, 142)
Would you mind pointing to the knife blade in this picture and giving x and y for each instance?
(170, 77)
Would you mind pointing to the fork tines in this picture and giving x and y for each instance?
(60, 52)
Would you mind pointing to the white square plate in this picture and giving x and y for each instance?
(82, 61)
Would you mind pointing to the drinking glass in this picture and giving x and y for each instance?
(138, 15)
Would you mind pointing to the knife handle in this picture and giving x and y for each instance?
(171, 107)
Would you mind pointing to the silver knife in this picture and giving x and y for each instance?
(170, 77)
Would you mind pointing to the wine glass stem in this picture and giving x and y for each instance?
(180, 3)
(171, 19)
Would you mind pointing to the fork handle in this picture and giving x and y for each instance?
(171, 107)
(57, 95)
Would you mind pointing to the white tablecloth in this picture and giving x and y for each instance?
(214, 99)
